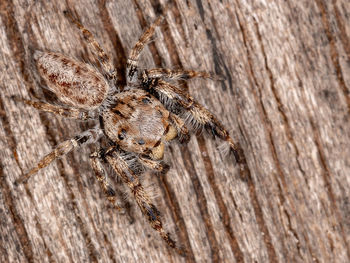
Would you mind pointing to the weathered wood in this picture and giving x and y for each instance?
(285, 100)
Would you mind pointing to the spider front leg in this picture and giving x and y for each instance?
(96, 48)
(175, 74)
(97, 166)
(89, 136)
(132, 63)
(157, 166)
(194, 113)
(199, 116)
(59, 110)
(181, 128)
(148, 209)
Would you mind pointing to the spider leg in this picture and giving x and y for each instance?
(97, 166)
(62, 149)
(180, 102)
(153, 164)
(176, 74)
(181, 128)
(143, 200)
(131, 66)
(96, 48)
(59, 110)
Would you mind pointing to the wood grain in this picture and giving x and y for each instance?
(285, 100)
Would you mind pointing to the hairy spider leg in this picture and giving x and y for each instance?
(96, 48)
(101, 175)
(153, 164)
(60, 110)
(180, 126)
(176, 74)
(86, 137)
(196, 115)
(148, 209)
(132, 63)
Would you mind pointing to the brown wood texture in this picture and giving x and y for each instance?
(285, 100)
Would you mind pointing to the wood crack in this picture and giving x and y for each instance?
(41, 233)
(221, 67)
(202, 203)
(245, 172)
(288, 133)
(280, 106)
(333, 51)
(344, 38)
(174, 205)
(326, 175)
(226, 221)
(18, 223)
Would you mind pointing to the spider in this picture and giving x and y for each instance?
(137, 120)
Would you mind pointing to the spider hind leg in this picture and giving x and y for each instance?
(65, 112)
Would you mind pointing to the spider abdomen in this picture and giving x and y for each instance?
(75, 83)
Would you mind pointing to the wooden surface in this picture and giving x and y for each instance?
(285, 100)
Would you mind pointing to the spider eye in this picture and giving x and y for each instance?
(146, 100)
(122, 134)
(141, 142)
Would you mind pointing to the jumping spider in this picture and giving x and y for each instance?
(137, 119)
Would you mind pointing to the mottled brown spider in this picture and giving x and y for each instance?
(138, 119)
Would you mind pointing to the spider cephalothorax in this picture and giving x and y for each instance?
(137, 119)
(139, 123)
